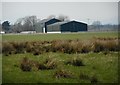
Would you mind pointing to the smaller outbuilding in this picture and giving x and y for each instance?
(41, 26)
(70, 26)
(51, 21)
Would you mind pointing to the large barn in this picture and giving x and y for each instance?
(70, 26)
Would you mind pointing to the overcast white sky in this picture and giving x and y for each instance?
(59, 0)
(106, 12)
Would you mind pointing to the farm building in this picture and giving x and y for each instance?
(41, 27)
(70, 26)
(51, 21)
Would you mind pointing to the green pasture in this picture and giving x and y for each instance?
(48, 37)
(103, 66)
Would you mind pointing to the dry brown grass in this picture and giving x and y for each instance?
(26, 64)
(49, 63)
(76, 61)
(64, 46)
(7, 48)
(61, 73)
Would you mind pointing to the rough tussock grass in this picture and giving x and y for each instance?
(61, 73)
(27, 65)
(64, 46)
(76, 61)
(104, 67)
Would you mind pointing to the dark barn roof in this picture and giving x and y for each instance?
(51, 21)
(70, 26)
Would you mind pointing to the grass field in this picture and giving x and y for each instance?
(98, 67)
(103, 67)
(48, 37)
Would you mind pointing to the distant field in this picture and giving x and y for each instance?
(48, 37)
(98, 67)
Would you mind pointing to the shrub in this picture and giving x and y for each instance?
(112, 45)
(7, 48)
(36, 51)
(49, 63)
(106, 45)
(75, 46)
(46, 48)
(34, 64)
(106, 52)
(56, 45)
(98, 46)
(63, 74)
(61, 46)
(29, 47)
(86, 47)
(66, 48)
(42, 66)
(19, 46)
(26, 64)
(76, 62)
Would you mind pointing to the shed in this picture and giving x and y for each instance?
(54, 27)
(40, 25)
(51, 21)
(70, 26)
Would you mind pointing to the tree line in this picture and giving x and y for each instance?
(29, 23)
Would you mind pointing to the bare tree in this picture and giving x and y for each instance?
(25, 24)
(29, 22)
(18, 26)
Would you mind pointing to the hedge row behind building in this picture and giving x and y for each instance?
(55, 25)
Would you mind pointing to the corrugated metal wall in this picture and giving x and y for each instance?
(51, 28)
(73, 26)
(50, 22)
